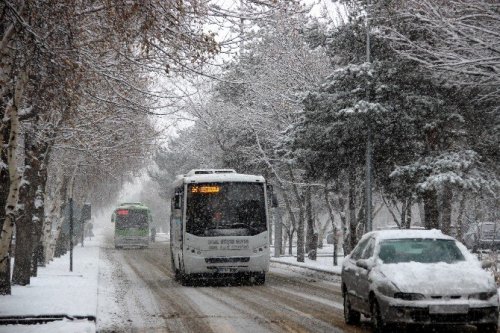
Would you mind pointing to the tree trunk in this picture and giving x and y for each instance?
(343, 225)
(309, 222)
(409, 213)
(37, 251)
(22, 265)
(54, 220)
(352, 211)
(446, 209)
(334, 227)
(14, 186)
(4, 192)
(27, 220)
(278, 232)
(431, 212)
(460, 222)
(300, 225)
(292, 218)
(403, 214)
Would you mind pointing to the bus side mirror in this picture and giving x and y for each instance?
(177, 201)
(113, 218)
(272, 196)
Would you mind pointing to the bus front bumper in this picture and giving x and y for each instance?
(132, 241)
(255, 263)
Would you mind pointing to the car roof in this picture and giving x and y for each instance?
(408, 233)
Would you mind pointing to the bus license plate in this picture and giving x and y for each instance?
(226, 270)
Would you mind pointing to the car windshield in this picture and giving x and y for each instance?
(419, 250)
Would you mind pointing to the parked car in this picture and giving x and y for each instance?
(399, 277)
(483, 235)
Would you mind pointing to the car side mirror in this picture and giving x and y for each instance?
(364, 263)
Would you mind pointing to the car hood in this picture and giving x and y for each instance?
(439, 278)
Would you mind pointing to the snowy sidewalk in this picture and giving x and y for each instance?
(323, 262)
(58, 293)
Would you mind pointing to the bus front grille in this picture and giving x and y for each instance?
(219, 260)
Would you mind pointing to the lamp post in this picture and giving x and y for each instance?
(369, 139)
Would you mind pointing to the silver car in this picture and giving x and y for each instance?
(400, 277)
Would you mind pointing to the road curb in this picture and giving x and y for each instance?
(306, 267)
(40, 319)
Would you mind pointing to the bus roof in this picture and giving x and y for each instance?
(132, 205)
(218, 178)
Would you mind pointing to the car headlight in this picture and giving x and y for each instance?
(409, 296)
(483, 296)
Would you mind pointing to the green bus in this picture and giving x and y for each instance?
(132, 222)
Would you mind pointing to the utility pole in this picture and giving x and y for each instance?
(369, 139)
(71, 234)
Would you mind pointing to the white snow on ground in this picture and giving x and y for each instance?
(323, 262)
(57, 291)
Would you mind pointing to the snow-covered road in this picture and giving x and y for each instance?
(137, 293)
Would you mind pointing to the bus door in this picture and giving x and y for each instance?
(176, 230)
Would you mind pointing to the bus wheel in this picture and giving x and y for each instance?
(177, 275)
(260, 278)
(186, 280)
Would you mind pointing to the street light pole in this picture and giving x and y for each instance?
(369, 139)
(71, 234)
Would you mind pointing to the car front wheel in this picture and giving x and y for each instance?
(378, 323)
(350, 316)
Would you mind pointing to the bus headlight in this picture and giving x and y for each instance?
(260, 248)
(193, 250)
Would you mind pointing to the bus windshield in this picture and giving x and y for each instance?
(129, 218)
(219, 209)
